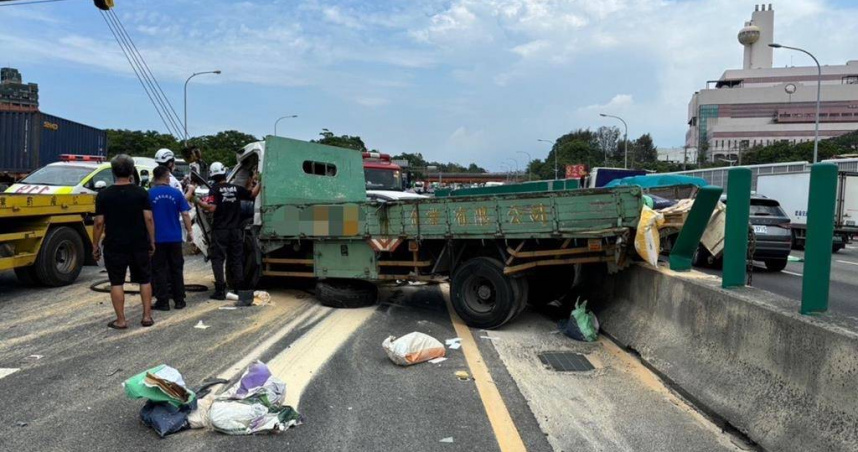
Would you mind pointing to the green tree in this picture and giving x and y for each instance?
(222, 146)
(645, 153)
(138, 143)
(342, 141)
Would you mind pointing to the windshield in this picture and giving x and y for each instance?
(767, 209)
(382, 179)
(57, 175)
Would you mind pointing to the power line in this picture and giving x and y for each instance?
(168, 107)
(13, 3)
(136, 73)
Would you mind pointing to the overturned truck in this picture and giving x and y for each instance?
(314, 219)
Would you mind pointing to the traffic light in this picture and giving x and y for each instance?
(103, 4)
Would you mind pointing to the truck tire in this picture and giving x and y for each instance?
(700, 258)
(521, 289)
(27, 275)
(346, 293)
(60, 258)
(776, 265)
(482, 295)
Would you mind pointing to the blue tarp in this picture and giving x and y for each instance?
(658, 180)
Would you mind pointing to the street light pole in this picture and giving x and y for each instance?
(818, 95)
(186, 96)
(625, 138)
(516, 167)
(278, 120)
(555, 156)
(528, 163)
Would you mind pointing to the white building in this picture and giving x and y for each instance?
(758, 104)
(677, 155)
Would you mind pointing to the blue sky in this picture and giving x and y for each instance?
(458, 80)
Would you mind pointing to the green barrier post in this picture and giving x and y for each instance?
(736, 228)
(820, 233)
(689, 237)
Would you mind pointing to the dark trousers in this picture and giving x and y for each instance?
(168, 277)
(228, 245)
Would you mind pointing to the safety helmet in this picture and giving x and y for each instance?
(217, 169)
(164, 155)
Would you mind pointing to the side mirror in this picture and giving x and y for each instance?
(100, 185)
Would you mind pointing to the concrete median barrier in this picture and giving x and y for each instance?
(787, 381)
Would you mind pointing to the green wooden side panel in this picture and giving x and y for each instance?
(344, 259)
(285, 181)
(542, 186)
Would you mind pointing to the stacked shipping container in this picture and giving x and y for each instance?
(30, 140)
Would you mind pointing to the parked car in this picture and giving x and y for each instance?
(772, 235)
(77, 174)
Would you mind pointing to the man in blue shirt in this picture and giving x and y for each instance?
(168, 204)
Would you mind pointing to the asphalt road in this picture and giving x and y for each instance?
(787, 283)
(66, 393)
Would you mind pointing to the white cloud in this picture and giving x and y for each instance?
(618, 102)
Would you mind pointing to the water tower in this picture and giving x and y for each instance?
(756, 36)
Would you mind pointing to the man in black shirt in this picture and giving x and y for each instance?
(227, 235)
(123, 214)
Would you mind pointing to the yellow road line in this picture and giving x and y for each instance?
(504, 428)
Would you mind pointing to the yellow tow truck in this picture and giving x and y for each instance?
(46, 239)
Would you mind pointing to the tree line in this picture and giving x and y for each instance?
(219, 147)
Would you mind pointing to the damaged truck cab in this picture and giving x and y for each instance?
(313, 220)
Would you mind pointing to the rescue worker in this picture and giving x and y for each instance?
(166, 157)
(168, 204)
(227, 235)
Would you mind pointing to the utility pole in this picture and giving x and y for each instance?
(555, 157)
(217, 72)
(625, 138)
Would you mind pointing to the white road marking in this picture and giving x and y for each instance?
(791, 273)
(848, 262)
(5, 372)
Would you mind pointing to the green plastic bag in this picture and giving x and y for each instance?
(135, 388)
(582, 324)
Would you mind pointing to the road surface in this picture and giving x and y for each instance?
(787, 283)
(61, 387)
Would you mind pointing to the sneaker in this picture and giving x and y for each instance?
(161, 306)
(180, 304)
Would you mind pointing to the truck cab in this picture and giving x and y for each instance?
(381, 173)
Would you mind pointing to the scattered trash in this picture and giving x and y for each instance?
(438, 360)
(582, 325)
(262, 298)
(792, 258)
(113, 372)
(5, 372)
(165, 418)
(200, 325)
(413, 348)
(199, 418)
(227, 308)
(21, 424)
(34, 357)
(231, 296)
(454, 343)
(159, 384)
(448, 439)
(462, 375)
(253, 406)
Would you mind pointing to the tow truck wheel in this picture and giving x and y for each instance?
(61, 257)
(482, 295)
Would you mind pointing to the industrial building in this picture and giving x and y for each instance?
(759, 104)
(15, 95)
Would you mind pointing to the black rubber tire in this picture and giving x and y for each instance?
(700, 258)
(346, 293)
(776, 265)
(521, 289)
(27, 276)
(60, 258)
(837, 248)
(483, 278)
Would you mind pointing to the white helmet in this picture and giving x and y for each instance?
(217, 169)
(164, 155)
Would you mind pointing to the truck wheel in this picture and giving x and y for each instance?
(837, 247)
(521, 289)
(27, 275)
(346, 293)
(482, 295)
(700, 258)
(776, 265)
(61, 257)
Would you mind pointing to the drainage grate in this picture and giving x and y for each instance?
(566, 361)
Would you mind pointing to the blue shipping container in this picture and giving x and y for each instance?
(30, 140)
